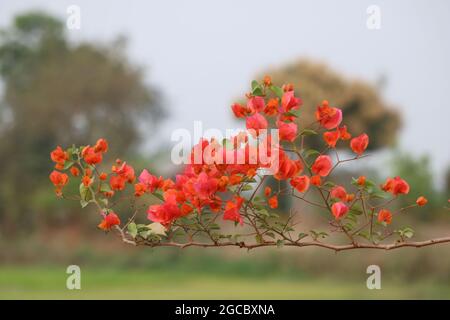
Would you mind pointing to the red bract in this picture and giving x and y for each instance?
(359, 144)
(59, 156)
(256, 122)
(385, 216)
(59, 180)
(300, 183)
(396, 186)
(339, 209)
(90, 156)
(289, 102)
(331, 138)
(109, 220)
(287, 131)
(339, 192)
(328, 117)
(165, 213)
(255, 104)
(232, 210)
(150, 181)
(322, 166)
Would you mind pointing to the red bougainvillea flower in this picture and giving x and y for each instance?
(239, 110)
(117, 182)
(59, 180)
(101, 145)
(232, 210)
(331, 138)
(396, 186)
(289, 102)
(339, 209)
(287, 131)
(255, 104)
(74, 171)
(359, 144)
(385, 216)
(256, 122)
(271, 108)
(322, 166)
(125, 171)
(150, 181)
(273, 202)
(344, 134)
(316, 181)
(328, 117)
(205, 186)
(165, 213)
(90, 156)
(59, 156)
(361, 181)
(103, 176)
(300, 183)
(339, 192)
(109, 220)
(267, 191)
(288, 168)
(421, 201)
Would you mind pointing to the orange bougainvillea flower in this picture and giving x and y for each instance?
(339, 192)
(267, 191)
(103, 176)
(287, 131)
(396, 186)
(117, 182)
(344, 134)
(331, 138)
(87, 181)
(271, 108)
(339, 209)
(328, 117)
(90, 156)
(139, 189)
(109, 220)
(300, 183)
(255, 104)
(59, 179)
(235, 179)
(59, 155)
(288, 168)
(385, 216)
(101, 146)
(359, 144)
(361, 181)
(232, 210)
(239, 110)
(273, 202)
(421, 201)
(322, 166)
(267, 81)
(74, 171)
(316, 181)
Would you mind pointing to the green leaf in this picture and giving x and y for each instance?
(278, 91)
(255, 84)
(280, 243)
(311, 152)
(302, 235)
(105, 187)
(85, 193)
(132, 229)
(68, 164)
(247, 187)
(259, 239)
(308, 132)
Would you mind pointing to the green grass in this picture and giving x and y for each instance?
(96, 283)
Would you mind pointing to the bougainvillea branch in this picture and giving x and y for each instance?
(221, 197)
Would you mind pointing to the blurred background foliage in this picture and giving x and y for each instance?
(56, 92)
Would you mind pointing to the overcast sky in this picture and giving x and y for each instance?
(202, 53)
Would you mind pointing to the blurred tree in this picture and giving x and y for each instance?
(363, 107)
(56, 92)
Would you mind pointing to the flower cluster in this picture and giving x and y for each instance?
(223, 179)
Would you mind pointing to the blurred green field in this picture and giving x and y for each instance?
(96, 283)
